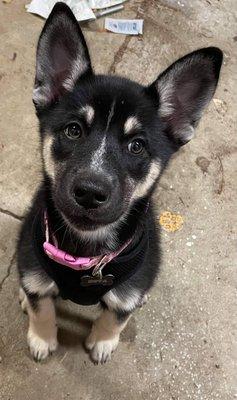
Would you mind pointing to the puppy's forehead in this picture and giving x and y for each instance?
(112, 102)
(112, 112)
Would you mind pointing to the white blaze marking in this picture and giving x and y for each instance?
(110, 116)
(97, 159)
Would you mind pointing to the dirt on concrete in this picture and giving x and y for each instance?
(183, 343)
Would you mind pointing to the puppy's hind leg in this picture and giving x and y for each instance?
(42, 332)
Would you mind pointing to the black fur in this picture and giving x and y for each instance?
(193, 80)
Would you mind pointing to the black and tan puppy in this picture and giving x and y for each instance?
(90, 235)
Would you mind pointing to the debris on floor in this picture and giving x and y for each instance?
(221, 106)
(171, 222)
(84, 10)
(203, 163)
(98, 4)
(43, 8)
(109, 10)
(125, 26)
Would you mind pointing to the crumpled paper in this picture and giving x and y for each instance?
(82, 9)
(104, 3)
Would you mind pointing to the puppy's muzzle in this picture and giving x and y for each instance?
(92, 192)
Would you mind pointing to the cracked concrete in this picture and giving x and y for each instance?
(8, 233)
(182, 344)
(8, 270)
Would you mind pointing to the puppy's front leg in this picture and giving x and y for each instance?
(104, 336)
(42, 332)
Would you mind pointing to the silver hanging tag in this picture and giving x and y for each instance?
(97, 277)
(88, 280)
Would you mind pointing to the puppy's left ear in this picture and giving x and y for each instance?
(62, 56)
(185, 89)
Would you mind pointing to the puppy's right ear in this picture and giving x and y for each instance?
(184, 90)
(62, 56)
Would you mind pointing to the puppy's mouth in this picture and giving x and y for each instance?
(93, 230)
(82, 223)
(90, 220)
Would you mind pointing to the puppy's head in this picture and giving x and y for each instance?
(105, 139)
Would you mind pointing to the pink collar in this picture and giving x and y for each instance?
(76, 263)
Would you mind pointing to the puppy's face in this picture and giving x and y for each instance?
(105, 140)
(103, 149)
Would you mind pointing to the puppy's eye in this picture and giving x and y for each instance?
(73, 131)
(136, 146)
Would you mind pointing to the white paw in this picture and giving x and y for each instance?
(40, 348)
(23, 300)
(21, 294)
(101, 349)
(143, 300)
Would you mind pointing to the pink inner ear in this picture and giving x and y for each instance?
(60, 46)
(187, 91)
(62, 62)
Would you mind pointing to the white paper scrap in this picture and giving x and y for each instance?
(104, 3)
(81, 9)
(43, 8)
(125, 26)
(40, 7)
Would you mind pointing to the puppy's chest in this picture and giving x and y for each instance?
(82, 287)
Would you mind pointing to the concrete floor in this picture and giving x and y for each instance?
(182, 344)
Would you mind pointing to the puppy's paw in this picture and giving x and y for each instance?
(143, 300)
(23, 300)
(101, 348)
(41, 348)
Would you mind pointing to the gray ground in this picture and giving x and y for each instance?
(182, 344)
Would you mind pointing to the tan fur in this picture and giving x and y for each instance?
(88, 112)
(40, 284)
(145, 185)
(131, 124)
(126, 302)
(47, 156)
(104, 336)
(42, 332)
(165, 89)
(78, 68)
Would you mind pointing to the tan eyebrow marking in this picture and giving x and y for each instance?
(88, 112)
(131, 124)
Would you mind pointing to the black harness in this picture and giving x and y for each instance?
(71, 283)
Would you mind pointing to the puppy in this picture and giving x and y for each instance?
(90, 235)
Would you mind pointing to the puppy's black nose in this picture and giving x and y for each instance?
(91, 194)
